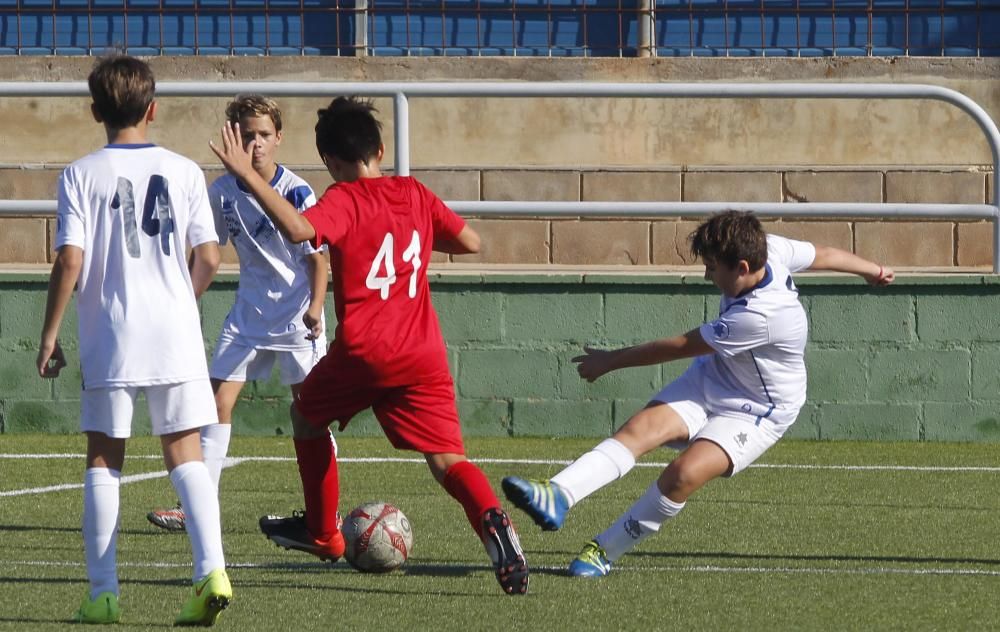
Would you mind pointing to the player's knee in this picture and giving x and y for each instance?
(439, 464)
(301, 428)
(680, 480)
(224, 410)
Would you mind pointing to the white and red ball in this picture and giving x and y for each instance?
(378, 536)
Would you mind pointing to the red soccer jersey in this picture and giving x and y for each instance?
(380, 233)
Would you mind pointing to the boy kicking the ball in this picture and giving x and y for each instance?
(739, 396)
(388, 353)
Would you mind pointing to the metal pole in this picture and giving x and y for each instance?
(646, 44)
(360, 28)
(401, 123)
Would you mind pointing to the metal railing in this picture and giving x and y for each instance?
(402, 91)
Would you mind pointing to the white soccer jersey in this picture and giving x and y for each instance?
(133, 209)
(274, 290)
(760, 340)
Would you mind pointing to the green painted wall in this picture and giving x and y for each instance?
(917, 361)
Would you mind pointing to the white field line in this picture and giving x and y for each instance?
(867, 570)
(391, 459)
(134, 478)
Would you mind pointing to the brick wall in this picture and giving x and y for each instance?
(917, 361)
(921, 245)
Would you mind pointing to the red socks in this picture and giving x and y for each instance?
(469, 486)
(320, 485)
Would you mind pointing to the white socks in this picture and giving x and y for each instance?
(214, 447)
(640, 521)
(199, 497)
(606, 463)
(100, 528)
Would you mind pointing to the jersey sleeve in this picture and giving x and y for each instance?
(201, 225)
(331, 217)
(302, 197)
(215, 201)
(794, 255)
(446, 222)
(736, 331)
(70, 218)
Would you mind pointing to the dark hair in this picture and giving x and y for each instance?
(253, 105)
(348, 130)
(122, 88)
(729, 237)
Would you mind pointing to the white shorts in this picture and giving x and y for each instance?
(743, 436)
(172, 408)
(237, 361)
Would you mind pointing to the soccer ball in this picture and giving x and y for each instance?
(379, 538)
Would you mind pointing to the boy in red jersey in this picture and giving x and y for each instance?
(388, 353)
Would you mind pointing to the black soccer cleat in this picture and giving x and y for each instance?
(292, 533)
(505, 552)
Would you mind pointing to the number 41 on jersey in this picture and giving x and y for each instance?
(379, 282)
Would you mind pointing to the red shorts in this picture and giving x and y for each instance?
(420, 417)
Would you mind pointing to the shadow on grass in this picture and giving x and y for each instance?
(441, 569)
(28, 527)
(70, 622)
(25, 620)
(184, 583)
(461, 570)
(17, 528)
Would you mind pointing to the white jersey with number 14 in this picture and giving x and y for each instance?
(134, 209)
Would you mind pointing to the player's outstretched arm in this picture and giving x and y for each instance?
(596, 362)
(466, 242)
(837, 260)
(65, 272)
(238, 160)
(313, 318)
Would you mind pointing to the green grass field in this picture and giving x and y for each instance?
(820, 536)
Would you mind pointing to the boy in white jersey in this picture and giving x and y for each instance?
(278, 313)
(126, 214)
(741, 393)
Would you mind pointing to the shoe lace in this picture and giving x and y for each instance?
(594, 554)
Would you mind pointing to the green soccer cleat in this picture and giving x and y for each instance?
(591, 562)
(104, 609)
(209, 598)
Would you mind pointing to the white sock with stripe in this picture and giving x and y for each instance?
(606, 463)
(200, 500)
(641, 520)
(215, 447)
(101, 499)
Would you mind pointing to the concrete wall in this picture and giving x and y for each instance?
(918, 361)
(920, 245)
(587, 149)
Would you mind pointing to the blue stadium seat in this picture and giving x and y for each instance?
(502, 27)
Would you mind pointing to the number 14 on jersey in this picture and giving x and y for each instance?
(384, 261)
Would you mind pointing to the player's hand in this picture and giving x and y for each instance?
(50, 359)
(314, 324)
(594, 363)
(885, 276)
(237, 159)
